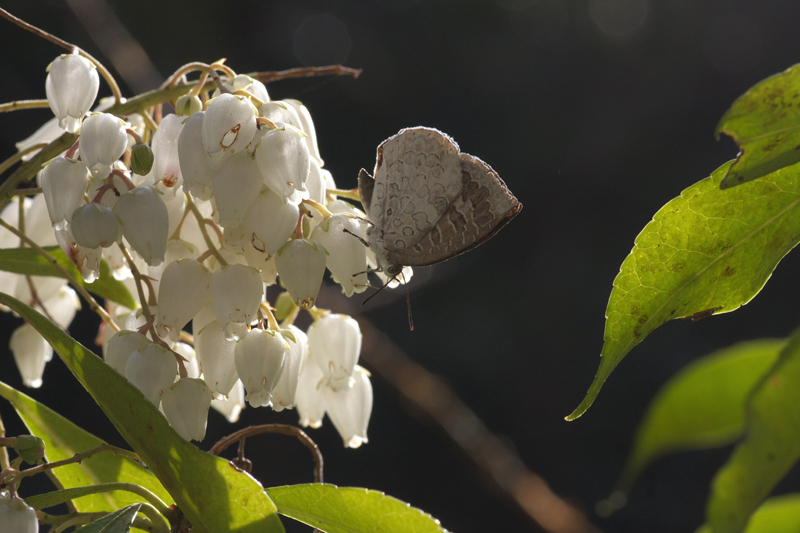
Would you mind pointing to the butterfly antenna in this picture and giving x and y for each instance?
(408, 303)
(359, 237)
(371, 296)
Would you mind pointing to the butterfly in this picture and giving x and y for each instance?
(428, 202)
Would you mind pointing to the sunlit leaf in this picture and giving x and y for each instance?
(49, 499)
(707, 251)
(702, 406)
(63, 439)
(117, 522)
(780, 514)
(765, 123)
(350, 510)
(770, 447)
(28, 261)
(215, 496)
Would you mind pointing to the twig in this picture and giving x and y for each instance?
(8, 163)
(305, 72)
(3, 451)
(201, 223)
(71, 47)
(224, 442)
(23, 104)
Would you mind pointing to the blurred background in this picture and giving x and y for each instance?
(595, 113)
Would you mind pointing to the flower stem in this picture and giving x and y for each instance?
(8, 163)
(201, 223)
(23, 104)
(351, 194)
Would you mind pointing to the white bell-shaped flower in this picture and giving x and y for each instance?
(64, 183)
(152, 370)
(283, 160)
(285, 389)
(270, 222)
(236, 293)
(95, 226)
(236, 185)
(121, 345)
(47, 133)
(182, 292)
(279, 111)
(145, 223)
(185, 405)
(228, 126)
(166, 165)
(350, 409)
(335, 344)
(316, 183)
(301, 265)
(215, 353)
(308, 128)
(86, 259)
(263, 263)
(192, 364)
(61, 306)
(103, 141)
(175, 201)
(231, 407)
(196, 172)
(31, 352)
(308, 396)
(259, 359)
(71, 87)
(17, 516)
(243, 81)
(45, 286)
(347, 256)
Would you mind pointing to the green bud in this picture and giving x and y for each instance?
(284, 306)
(141, 159)
(187, 106)
(30, 448)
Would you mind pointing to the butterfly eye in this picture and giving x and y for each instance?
(394, 270)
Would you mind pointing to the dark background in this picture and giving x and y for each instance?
(595, 113)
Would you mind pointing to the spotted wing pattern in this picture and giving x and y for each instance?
(417, 177)
(482, 208)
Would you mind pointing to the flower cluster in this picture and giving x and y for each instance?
(196, 213)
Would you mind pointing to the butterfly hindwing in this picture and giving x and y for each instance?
(417, 177)
(483, 206)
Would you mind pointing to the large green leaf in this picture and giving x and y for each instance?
(702, 406)
(770, 448)
(780, 514)
(63, 439)
(350, 510)
(709, 250)
(214, 495)
(765, 123)
(28, 261)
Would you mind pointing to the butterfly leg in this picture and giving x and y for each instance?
(359, 237)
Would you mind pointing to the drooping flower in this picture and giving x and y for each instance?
(71, 87)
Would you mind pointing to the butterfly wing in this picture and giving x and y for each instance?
(417, 177)
(482, 208)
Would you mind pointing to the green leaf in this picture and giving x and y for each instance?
(116, 522)
(64, 439)
(702, 406)
(777, 515)
(765, 123)
(350, 510)
(214, 495)
(49, 499)
(28, 261)
(707, 251)
(770, 448)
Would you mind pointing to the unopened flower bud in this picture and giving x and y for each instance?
(301, 265)
(187, 105)
(71, 87)
(30, 448)
(142, 159)
(185, 405)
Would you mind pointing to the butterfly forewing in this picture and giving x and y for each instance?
(417, 178)
(483, 206)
